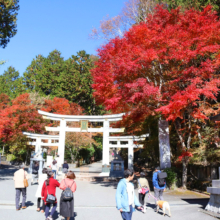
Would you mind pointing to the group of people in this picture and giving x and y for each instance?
(46, 191)
(126, 201)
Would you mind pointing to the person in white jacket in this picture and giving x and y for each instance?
(41, 181)
(54, 168)
(19, 177)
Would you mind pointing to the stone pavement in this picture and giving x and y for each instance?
(96, 201)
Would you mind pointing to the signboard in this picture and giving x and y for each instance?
(84, 125)
(164, 144)
(117, 166)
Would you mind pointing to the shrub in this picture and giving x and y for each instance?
(11, 157)
(171, 178)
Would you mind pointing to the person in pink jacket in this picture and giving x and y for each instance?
(67, 207)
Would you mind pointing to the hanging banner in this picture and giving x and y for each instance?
(164, 144)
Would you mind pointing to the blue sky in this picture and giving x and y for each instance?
(45, 25)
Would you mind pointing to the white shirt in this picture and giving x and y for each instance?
(54, 166)
(130, 190)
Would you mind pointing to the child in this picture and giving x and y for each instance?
(143, 188)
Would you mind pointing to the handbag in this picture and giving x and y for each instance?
(50, 198)
(25, 181)
(142, 190)
(65, 170)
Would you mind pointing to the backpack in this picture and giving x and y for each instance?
(161, 178)
(67, 193)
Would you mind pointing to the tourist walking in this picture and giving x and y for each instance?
(125, 196)
(19, 177)
(35, 169)
(41, 181)
(143, 189)
(68, 185)
(158, 190)
(65, 167)
(49, 188)
(54, 168)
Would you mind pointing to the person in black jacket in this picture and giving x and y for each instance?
(65, 167)
(35, 169)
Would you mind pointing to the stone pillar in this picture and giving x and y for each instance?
(105, 148)
(31, 164)
(61, 148)
(40, 166)
(38, 146)
(164, 144)
(130, 157)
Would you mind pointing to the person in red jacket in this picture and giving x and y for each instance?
(49, 187)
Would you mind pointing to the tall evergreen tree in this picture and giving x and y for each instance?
(187, 4)
(8, 18)
(70, 79)
(11, 83)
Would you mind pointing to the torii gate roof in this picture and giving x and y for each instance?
(44, 136)
(97, 118)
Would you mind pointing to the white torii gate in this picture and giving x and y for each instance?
(128, 143)
(52, 141)
(39, 137)
(62, 129)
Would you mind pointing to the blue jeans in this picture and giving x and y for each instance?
(18, 195)
(127, 215)
(54, 171)
(47, 209)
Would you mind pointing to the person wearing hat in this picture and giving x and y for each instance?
(158, 190)
(143, 189)
(19, 177)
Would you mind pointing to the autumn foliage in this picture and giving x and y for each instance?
(18, 117)
(21, 114)
(184, 155)
(167, 64)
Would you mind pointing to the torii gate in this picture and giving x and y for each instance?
(128, 143)
(84, 119)
(53, 140)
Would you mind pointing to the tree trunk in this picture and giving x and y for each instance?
(26, 158)
(72, 156)
(184, 175)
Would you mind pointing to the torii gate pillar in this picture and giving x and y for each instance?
(105, 148)
(61, 149)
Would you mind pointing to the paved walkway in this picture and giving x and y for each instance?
(96, 201)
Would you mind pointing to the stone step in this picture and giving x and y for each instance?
(5, 162)
(213, 190)
(216, 183)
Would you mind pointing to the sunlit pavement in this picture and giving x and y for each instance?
(96, 201)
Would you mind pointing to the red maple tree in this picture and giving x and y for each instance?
(21, 115)
(167, 65)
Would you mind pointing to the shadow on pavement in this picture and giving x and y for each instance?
(1, 179)
(213, 214)
(106, 184)
(8, 171)
(149, 205)
(200, 201)
(57, 215)
(29, 203)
